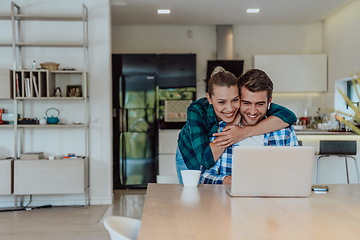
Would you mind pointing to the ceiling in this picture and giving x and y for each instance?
(221, 12)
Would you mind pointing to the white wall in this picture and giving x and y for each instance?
(99, 78)
(276, 39)
(341, 42)
(248, 41)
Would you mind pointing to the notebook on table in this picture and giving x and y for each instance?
(272, 171)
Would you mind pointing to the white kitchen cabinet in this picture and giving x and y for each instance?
(6, 166)
(65, 176)
(295, 72)
(168, 141)
(167, 164)
(167, 151)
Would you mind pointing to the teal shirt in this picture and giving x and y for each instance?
(194, 137)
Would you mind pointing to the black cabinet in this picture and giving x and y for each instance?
(177, 70)
(233, 66)
(139, 64)
(172, 70)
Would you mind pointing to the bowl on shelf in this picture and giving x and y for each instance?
(50, 66)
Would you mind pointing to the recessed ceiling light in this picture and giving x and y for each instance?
(253, 10)
(163, 11)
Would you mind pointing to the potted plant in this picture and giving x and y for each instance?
(355, 118)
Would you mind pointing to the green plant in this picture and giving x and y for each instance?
(355, 118)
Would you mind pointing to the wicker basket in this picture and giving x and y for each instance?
(50, 66)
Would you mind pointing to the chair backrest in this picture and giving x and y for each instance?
(122, 228)
(331, 147)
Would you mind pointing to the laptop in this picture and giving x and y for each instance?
(272, 171)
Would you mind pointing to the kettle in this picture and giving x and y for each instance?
(52, 119)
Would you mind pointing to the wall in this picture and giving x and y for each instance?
(341, 42)
(276, 39)
(99, 81)
(248, 40)
(282, 39)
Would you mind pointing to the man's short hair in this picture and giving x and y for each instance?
(256, 80)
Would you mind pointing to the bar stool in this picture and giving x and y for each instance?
(345, 149)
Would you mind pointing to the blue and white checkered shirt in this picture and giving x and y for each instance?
(222, 167)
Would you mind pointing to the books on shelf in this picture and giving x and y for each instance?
(27, 87)
(35, 86)
(17, 81)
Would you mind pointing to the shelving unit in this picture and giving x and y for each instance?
(32, 88)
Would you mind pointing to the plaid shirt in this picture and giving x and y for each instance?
(201, 123)
(222, 168)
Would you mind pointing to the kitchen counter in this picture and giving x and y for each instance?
(321, 132)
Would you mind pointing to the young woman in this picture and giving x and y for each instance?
(221, 106)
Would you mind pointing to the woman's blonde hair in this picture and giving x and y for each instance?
(221, 77)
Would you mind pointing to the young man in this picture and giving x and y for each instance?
(255, 97)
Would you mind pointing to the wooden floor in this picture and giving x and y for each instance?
(71, 223)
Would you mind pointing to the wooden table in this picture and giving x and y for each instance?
(208, 212)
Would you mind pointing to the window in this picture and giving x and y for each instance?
(351, 92)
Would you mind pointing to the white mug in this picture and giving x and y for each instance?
(42, 121)
(190, 177)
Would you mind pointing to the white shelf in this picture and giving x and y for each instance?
(50, 98)
(65, 176)
(67, 72)
(69, 45)
(24, 17)
(51, 126)
(5, 45)
(6, 126)
(5, 17)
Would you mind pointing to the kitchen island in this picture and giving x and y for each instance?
(332, 169)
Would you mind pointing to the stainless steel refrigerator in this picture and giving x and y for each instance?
(137, 130)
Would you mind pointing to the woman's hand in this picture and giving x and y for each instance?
(231, 134)
(227, 180)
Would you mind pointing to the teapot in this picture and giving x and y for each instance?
(52, 119)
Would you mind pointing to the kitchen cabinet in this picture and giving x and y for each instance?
(6, 177)
(33, 93)
(295, 72)
(167, 151)
(49, 176)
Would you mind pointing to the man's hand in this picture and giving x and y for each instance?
(231, 134)
(227, 180)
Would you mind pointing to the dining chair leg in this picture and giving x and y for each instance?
(347, 170)
(356, 168)
(317, 169)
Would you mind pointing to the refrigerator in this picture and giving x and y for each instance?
(137, 81)
(137, 130)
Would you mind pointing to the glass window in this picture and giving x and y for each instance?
(352, 92)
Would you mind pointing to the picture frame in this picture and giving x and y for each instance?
(73, 91)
